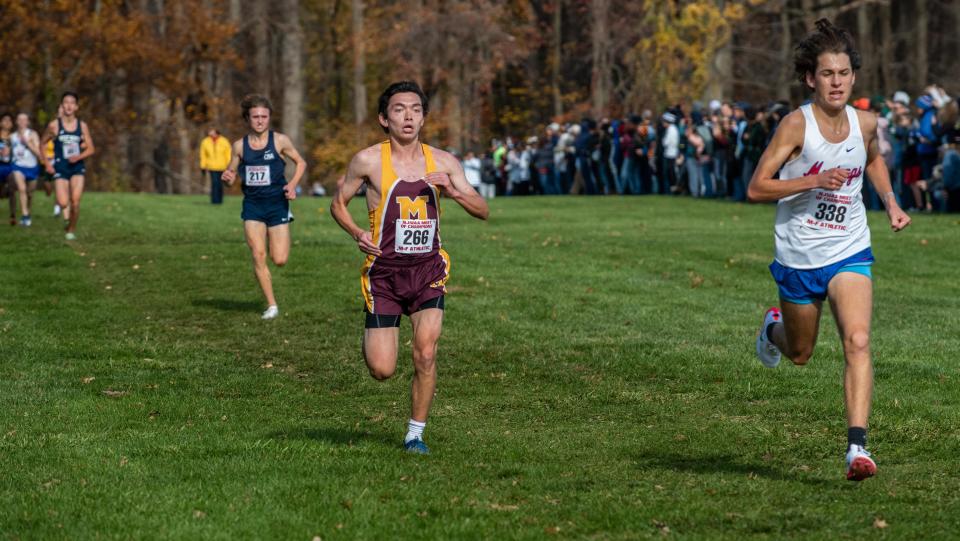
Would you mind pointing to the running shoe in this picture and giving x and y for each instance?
(70, 236)
(271, 312)
(767, 352)
(416, 446)
(859, 464)
(56, 210)
(25, 221)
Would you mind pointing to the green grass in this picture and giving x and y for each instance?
(597, 381)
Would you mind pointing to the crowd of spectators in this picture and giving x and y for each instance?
(710, 150)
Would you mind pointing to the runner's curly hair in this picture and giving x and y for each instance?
(254, 100)
(825, 39)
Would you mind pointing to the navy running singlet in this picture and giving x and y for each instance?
(67, 144)
(261, 171)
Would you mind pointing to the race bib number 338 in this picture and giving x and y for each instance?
(828, 211)
(258, 175)
(415, 236)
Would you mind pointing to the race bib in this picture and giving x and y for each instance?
(414, 236)
(70, 150)
(19, 153)
(828, 211)
(257, 175)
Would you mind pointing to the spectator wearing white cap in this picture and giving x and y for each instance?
(671, 149)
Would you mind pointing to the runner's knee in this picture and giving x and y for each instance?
(259, 256)
(856, 342)
(279, 260)
(800, 355)
(425, 359)
(381, 373)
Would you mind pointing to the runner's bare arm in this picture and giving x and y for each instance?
(229, 175)
(287, 149)
(48, 134)
(878, 173)
(358, 171)
(33, 144)
(453, 184)
(88, 148)
(787, 140)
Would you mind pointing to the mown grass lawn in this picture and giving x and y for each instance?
(597, 380)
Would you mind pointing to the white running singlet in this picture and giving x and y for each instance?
(22, 157)
(818, 227)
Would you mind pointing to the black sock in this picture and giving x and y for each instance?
(856, 436)
(770, 332)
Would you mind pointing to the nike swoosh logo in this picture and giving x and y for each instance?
(849, 149)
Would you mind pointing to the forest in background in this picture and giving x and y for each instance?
(154, 75)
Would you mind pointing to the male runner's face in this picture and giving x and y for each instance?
(833, 81)
(259, 119)
(405, 115)
(69, 105)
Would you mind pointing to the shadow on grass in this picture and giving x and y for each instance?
(346, 437)
(719, 463)
(229, 305)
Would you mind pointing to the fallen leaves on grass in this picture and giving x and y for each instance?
(124, 461)
(198, 514)
(695, 280)
(88, 379)
(114, 394)
(879, 523)
(662, 526)
(552, 530)
(503, 507)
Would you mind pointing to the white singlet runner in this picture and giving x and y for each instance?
(819, 227)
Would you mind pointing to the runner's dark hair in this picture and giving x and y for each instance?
(825, 39)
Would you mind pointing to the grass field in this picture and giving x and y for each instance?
(597, 381)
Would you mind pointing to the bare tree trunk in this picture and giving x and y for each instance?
(454, 108)
(867, 77)
(557, 57)
(359, 69)
(921, 64)
(886, 50)
(161, 140)
(786, 52)
(118, 108)
(260, 26)
(140, 142)
(293, 76)
(602, 63)
(185, 178)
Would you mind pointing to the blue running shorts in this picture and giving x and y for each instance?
(802, 286)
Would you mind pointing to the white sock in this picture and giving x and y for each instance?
(414, 430)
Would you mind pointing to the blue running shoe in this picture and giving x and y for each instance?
(416, 446)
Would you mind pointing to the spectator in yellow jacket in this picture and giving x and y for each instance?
(214, 158)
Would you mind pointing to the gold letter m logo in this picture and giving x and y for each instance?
(410, 207)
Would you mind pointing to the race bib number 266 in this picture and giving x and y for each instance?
(415, 236)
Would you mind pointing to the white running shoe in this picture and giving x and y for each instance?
(70, 236)
(859, 464)
(271, 312)
(56, 210)
(767, 352)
